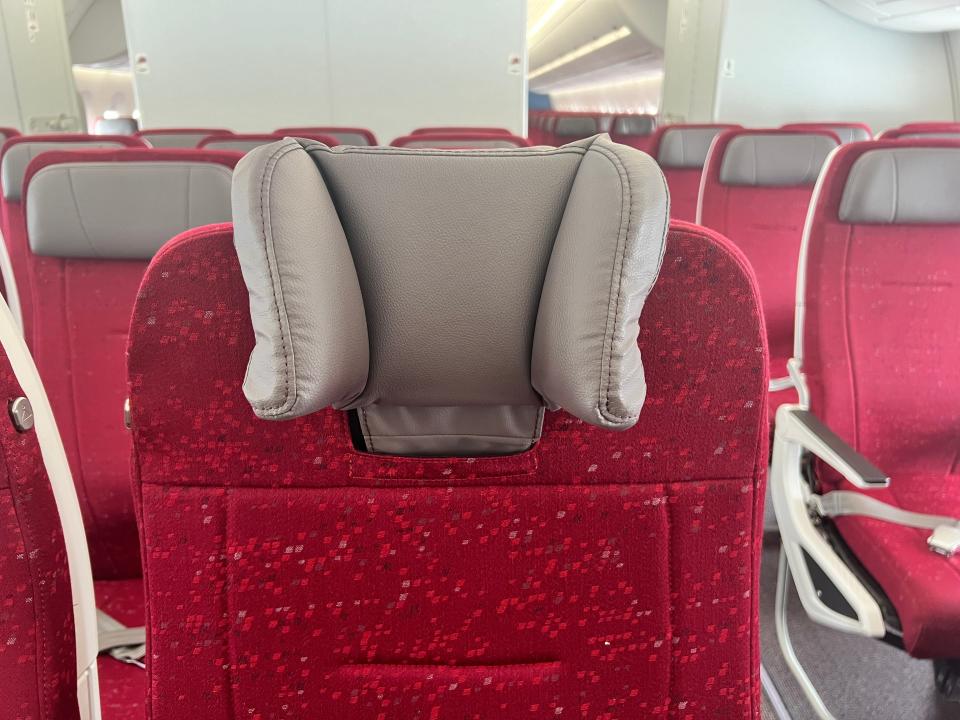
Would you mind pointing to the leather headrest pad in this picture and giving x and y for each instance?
(775, 159)
(395, 278)
(635, 125)
(909, 185)
(180, 137)
(236, 143)
(945, 135)
(461, 141)
(686, 147)
(343, 135)
(575, 126)
(121, 210)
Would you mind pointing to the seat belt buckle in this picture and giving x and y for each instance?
(945, 540)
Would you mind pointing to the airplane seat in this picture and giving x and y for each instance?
(457, 129)
(38, 661)
(15, 156)
(756, 189)
(245, 142)
(342, 134)
(436, 551)
(876, 347)
(461, 141)
(8, 132)
(116, 126)
(568, 127)
(919, 130)
(178, 138)
(681, 152)
(637, 131)
(847, 131)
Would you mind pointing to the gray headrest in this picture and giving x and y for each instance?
(162, 139)
(903, 186)
(575, 126)
(849, 134)
(930, 136)
(772, 160)
(234, 145)
(686, 147)
(122, 210)
(448, 295)
(635, 125)
(117, 126)
(491, 143)
(348, 138)
(16, 159)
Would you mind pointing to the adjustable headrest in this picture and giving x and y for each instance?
(18, 152)
(459, 141)
(687, 146)
(124, 204)
(635, 125)
(179, 137)
(903, 185)
(245, 143)
(448, 295)
(775, 159)
(460, 129)
(923, 130)
(575, 126)
(117, 126)
(846, 132)
(343, 135)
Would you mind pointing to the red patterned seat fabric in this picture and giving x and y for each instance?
(38, 664)
(880, 347)
(599, 575)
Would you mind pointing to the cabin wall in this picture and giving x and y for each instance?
(795, 60)
(691, 53)
(373, 63)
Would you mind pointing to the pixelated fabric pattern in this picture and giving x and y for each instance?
(38, 665)
(600, 575)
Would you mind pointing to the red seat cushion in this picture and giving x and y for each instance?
(600, 574)
(123, 687)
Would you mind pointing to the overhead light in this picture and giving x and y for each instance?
(593, 46)
(541, 23)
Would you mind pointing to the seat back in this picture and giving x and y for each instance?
(681, 152)
(567, 127)
(94, 219)
(244, 143)
(343, 135)
(634, 130)
(461, 141)
(38, 661)
(847, 131)
(458, 129)
(8, 132)
(930, 130)
(16, 155)
(178, 138)
(116, 126)
(756, 189)
(346, 583)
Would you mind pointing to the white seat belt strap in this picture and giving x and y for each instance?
(126, 644)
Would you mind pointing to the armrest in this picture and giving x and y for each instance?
(808, 431)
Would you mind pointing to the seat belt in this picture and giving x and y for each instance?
(126, 644)
(945, 539)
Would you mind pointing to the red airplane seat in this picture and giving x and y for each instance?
(461, 141)
(567, 127)
(8, 132)
(847, 131)
(178, 138)
(681, 151)
(918, 130)
(343, 135)
(244, 143)
(457, 130)
(756, 190)
(15, 156)
(299, 567)
(882, 297)
(634, 130)
(94, 219)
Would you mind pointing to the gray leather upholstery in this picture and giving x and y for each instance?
(575, 126)
(160, 139)
(930, 136)
(903, 186)
(348, 138)
(635, 125)
(486, 143)
(686, 147)
(16, 159)
(779, 159)
(849, 134)
(117, 126)
(448, 295)
(122, 210)
(234, 145)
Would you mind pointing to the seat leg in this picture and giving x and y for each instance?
(786, 645)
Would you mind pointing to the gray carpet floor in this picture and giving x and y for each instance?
(858, 678)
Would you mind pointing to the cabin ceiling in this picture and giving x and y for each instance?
(905, 15)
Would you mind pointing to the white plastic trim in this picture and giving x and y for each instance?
(781, 383)
(68, 507)
(791, 496)
(10, 284)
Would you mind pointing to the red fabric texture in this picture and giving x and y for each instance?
(684, 183)
(329, 130)
(881, 337)
(38, 664)
(123, 687)
(766, 223)
(14, 230)
(924, 128)
(267, 138)
(81, 317)
(600, 575)
(468, 140)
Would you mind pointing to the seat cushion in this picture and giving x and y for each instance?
(924, 587)
(122, 687)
